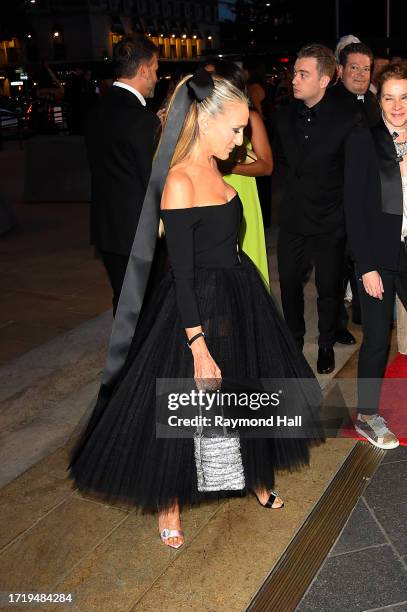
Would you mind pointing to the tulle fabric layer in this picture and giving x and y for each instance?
(118, 456)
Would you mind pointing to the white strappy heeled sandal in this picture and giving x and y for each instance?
(165, 534)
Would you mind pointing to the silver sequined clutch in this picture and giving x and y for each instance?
(218, 462)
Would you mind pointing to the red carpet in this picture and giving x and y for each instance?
(393, 401)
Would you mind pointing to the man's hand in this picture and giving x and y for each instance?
(373, 284)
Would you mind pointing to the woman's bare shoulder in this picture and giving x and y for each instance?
(178, 190)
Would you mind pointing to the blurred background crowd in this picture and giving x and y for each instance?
(55, 55)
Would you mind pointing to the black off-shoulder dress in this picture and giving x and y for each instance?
(214, 285)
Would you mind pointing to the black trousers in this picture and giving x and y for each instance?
(377, 316)
(349, 275)
(296, 253)
(115, 265)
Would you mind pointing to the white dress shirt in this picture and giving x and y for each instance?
(131, 89)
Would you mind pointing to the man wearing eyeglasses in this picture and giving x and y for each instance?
(352, 92)
(355, 69)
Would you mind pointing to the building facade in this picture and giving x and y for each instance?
(87, 30)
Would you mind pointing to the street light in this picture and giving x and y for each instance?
(56, 34)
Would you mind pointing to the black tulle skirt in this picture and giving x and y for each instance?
(118, 455)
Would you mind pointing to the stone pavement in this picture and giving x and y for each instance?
(45, 393)
(367, 567)
(366, 570)
(110, 557)
(50, 280)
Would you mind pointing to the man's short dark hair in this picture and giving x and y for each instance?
(326, 63)
(130, 53)
(355, 48)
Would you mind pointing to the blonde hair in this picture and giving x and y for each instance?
(224, 92)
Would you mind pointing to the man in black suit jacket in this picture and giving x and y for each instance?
(309, 141)
(352, 91)
(121, 136)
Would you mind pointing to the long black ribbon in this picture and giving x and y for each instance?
(144, 244)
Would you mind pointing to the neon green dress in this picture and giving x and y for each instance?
(252, 239)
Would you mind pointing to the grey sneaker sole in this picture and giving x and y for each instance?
(385, 446)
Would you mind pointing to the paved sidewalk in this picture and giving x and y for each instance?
(50, 279)
(46, 392)
(367, 567)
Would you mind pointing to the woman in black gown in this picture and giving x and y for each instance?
(212, 288)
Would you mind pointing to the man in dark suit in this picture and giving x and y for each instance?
(121, 135)
(352, 90)
(309, 142)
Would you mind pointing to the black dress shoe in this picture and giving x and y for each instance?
(343, 336)
(326, 360)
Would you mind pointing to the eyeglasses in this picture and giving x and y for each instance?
(357, 68)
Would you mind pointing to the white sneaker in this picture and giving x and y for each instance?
(376, 431)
